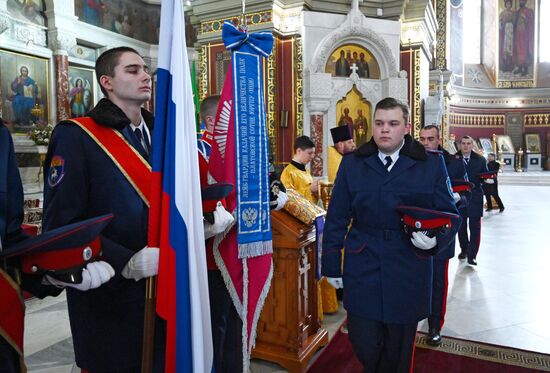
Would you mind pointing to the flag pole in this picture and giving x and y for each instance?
(149, 325)
(242, 24)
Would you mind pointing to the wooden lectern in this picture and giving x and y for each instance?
(289, 331)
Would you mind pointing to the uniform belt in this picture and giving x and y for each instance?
(384, 234)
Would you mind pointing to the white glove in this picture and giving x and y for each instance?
(336, 282)
(423, 242)
(282, 198)
(93, 276)
(144, 263)
(222, 220)
(489, 181)
(456, 197)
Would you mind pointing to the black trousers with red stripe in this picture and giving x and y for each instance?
(439, 293)
(382, 347)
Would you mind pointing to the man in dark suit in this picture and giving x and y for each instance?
(388, 283)
(491, 190)
(471, 217)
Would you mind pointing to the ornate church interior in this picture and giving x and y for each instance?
(478, 68)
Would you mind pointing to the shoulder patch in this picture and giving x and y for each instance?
(56, 171)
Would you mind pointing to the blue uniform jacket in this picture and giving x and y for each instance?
(11, 191)
(384, 277)
(456, 171)
(475, 166)
(81, 181)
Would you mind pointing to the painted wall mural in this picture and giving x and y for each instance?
(127, 17)
(28, 10)
(516, 47)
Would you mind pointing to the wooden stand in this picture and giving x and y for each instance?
(289, 330)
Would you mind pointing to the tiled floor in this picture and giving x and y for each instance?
(503, 301)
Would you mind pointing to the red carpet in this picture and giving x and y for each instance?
(453, 356)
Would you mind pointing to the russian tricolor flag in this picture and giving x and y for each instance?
(176, 212)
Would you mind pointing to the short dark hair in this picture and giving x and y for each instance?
(107, 61)
(466, 137)
(303, 142)
(390, 103)
(431, 127)
(209, 106)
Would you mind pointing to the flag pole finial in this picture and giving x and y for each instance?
(242, 24)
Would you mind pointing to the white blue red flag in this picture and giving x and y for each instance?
(182, 290)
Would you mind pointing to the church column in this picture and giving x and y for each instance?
(316, 120)
(61, 40)
(441, 39)
(62, 85)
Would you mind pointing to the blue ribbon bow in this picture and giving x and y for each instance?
(235, 39)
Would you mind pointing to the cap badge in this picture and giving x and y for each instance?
(87, 254)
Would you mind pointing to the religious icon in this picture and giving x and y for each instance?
(504, 144)
(516, 35)
(354, 112)
(506, 34)
(24, 83)
(532, 143)
(476, 147)
(346, 120)
(342, 65)
(24, 96)
(486, 145)
(360, 128)
(351, 58)
(81, 91)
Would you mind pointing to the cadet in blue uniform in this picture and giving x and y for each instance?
(431, 139)
(11, 217)
(82, 180)
(12, 278)
(387, 283)
(471, 216)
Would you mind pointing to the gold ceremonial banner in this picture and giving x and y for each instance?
(303, 210)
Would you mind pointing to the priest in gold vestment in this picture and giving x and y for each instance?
(343, 143)
(295, 176)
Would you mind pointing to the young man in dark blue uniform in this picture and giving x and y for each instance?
(431, 139)
(12, 278)
(387, 284)
(471, 216)
(84, 177)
